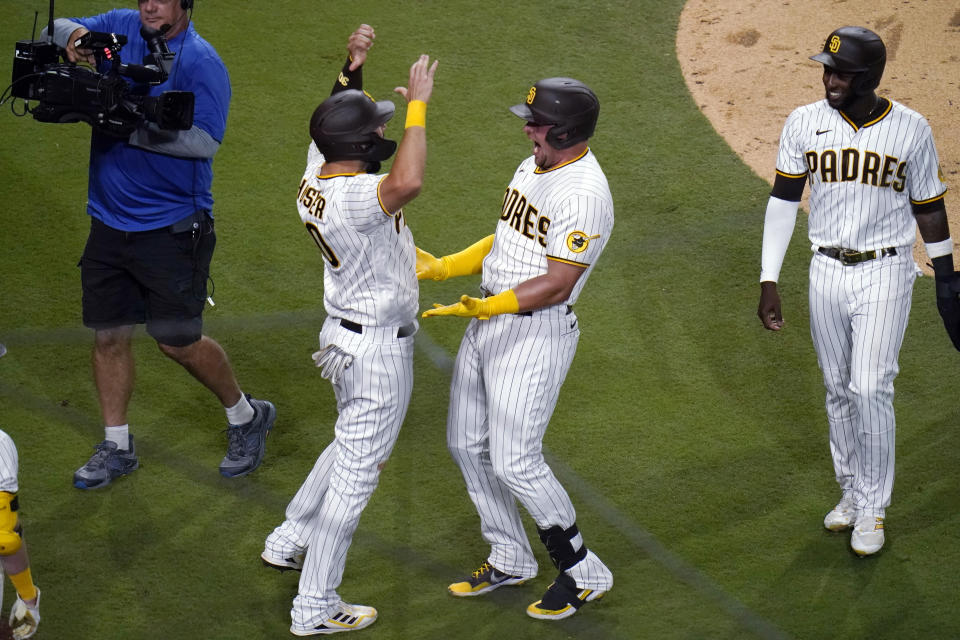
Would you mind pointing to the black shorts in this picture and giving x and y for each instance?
(157, 278)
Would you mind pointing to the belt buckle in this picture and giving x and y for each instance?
(849, 256)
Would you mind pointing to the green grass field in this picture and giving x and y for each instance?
(693, 443)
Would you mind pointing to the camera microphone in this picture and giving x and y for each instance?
(160, 56)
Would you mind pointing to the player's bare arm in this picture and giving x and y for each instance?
(553, 287)
(405, 179)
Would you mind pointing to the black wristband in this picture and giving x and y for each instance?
(348, 79)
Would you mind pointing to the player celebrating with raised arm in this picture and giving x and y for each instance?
(556, 218)
(874, 177)
(370, 293)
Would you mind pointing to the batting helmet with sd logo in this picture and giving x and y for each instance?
(344, 127)
(567, 104)
(855, 50)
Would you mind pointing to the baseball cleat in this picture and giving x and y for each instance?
(347, 617)
(280, 553)
(867, 536)
(246, 443)
(562, 599)
(107, 463)
(841, 516)
(484, 579)
(24, 619)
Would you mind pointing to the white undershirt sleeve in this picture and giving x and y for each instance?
(778, 226)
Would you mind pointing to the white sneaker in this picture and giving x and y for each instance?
(347, 617)
(841, 516)
(24, 619)
(867, 537)
(280, 553)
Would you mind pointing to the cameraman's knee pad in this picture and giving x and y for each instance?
(565, 546)
(10, 540)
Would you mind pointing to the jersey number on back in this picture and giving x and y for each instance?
(325, 249)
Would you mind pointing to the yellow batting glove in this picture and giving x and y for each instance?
(430, 267)
(481, 308)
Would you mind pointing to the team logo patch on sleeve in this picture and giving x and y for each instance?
(577, 241)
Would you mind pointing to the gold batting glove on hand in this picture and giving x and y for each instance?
(481, 308)
(430, 267)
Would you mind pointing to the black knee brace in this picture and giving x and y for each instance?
(559, 546)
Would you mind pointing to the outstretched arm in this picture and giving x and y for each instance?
(351, 76)
(463, 263)
(545, 290)
(405, 179)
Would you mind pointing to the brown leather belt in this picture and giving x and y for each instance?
(849, 256)
(402, 332)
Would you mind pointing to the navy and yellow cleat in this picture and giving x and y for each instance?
(562, 599)
(483, 580)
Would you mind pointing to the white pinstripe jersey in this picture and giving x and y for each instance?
(369, 274)
(8, 464)
(563, 213)
(862, 180)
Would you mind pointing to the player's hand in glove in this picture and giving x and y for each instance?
(467, 308)
(430, 267)
(481, 308)
(948, 304)
(24, 619)
(332, 362)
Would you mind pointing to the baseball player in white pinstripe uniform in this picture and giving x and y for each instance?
(371, 296)
(556, 218)
(874, 178)
(14, 560)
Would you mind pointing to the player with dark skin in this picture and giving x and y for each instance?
(933, 225)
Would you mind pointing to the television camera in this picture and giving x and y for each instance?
(67, 92)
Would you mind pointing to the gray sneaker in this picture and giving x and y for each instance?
(246, 443)
(107, 463)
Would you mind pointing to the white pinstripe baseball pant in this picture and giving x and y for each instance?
(858, 317)
(372, 399)
(506, 382)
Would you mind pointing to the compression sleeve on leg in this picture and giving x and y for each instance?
(10, 540)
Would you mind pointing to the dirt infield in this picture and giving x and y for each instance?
(747, 67)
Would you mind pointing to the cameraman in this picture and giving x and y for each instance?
(151, 239)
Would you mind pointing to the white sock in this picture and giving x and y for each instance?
(120, 435)
(240, 413)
